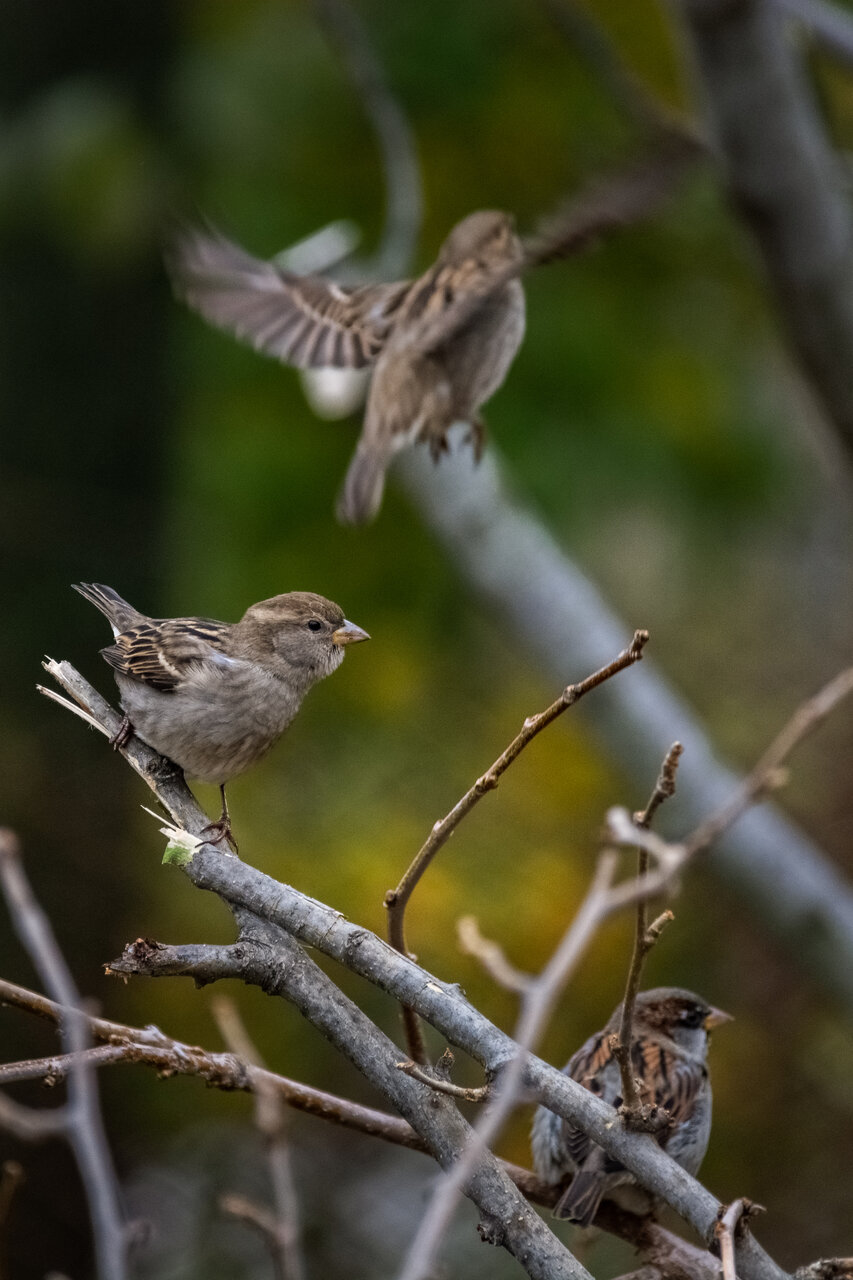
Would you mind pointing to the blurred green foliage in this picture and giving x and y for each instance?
(651, 417)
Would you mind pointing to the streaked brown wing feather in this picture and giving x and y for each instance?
(159, 652)
(678, 1079)
(585, 1067)
(449, 307)
(305, 321)
(677, 1082)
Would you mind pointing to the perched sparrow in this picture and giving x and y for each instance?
(668, 1050)
(441, 344)
(215, 696)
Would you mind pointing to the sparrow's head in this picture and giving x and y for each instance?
(301, 635)
(678, 1014)
(487, 236)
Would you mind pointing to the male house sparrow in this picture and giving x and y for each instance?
(441, 344)
(668, 1049)
(215, 696)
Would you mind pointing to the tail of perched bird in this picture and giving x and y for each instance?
(361, 493)
(118, 612)
(579, 1202)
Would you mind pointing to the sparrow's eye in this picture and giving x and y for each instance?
(314, 625)
(692, 1018)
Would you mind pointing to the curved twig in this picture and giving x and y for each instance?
(396, 900)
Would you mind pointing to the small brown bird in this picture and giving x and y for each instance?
(215, 696)
(441, 345)
(668, 1050)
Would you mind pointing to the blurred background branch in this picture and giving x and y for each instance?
(78, 1119)
(785, 181)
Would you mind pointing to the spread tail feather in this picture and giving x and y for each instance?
(361, 493)
(579, 1202)
(119, 613)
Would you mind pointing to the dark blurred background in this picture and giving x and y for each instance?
(652, 417)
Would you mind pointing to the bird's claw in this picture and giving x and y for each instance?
(122, 735)
(216, 832)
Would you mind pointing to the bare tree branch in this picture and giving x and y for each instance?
(269, 957)
(437, 1078)
(507, 557)
(80, 1117)
(223, 1071)
(828, 23)
(396, 900)
(149, 1046)
(284, 1236)
(786, 182)
(537, 1002)
(490, 955)
(291, 914)
(644, 939)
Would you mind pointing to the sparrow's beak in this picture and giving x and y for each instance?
(349, 633)
(716, 1018)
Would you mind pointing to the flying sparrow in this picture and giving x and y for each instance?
(441, 345)
(668, 1050)
(215, 696)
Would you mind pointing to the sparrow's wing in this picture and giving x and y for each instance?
(614, 200)
(305, 321)
(671, 1080)
(589, 1067)
(160, 653)
(617, 200)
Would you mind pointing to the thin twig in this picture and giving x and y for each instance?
(262, 1220)
(644, 939)
(396, 900)
(538, 1001)
(266, 955)
(150, 1047)
(726, 1238)
(490, 954)
(478, 1093)
(30, 1124)
(81, 1113)
(732, 1220)
(169, 1057)
(284, 1239)
(767, 775)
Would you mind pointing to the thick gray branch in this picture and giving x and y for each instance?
(786, 182)
(442, 1005)
(561, 619)
(267, 957)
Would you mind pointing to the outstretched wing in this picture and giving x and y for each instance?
(305, 321)
(615, 200)
(159, 653)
